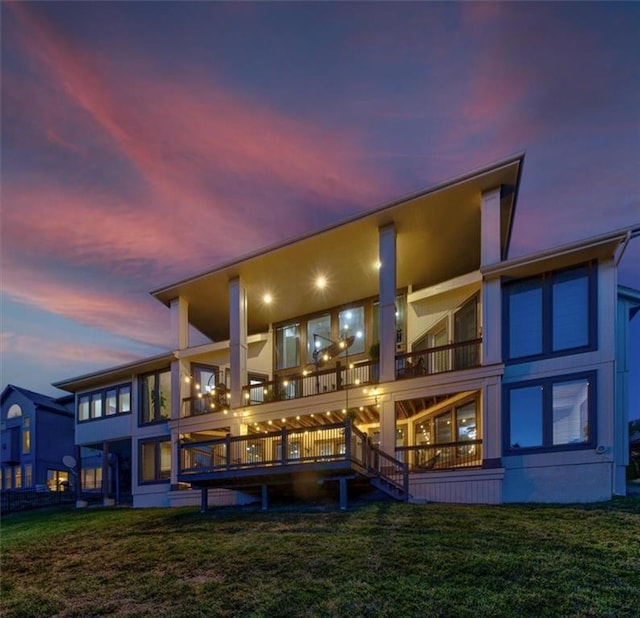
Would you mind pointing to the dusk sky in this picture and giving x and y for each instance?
(143, 142)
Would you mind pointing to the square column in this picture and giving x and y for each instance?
(179, 323)
(387, 279)
(237, 339)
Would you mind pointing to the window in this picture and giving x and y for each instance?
(318, 335)
(57, 480)
(550, 414)
(551, 314)
(28, 475)
(155, 397)
(205, 380)
(103, 403)
(91, 480)
(351, 324)
(17, 477)
(288, 346)
(155, 460)
(14, 411)
(26, 435)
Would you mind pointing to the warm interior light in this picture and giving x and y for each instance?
(321, 282)
(377, 264)
(267, 299)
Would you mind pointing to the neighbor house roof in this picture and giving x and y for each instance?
(39, 400)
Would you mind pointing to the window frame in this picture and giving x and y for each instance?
(157, 460)
(547, 385)
(89, 397)
(546, 282)
(156, 399)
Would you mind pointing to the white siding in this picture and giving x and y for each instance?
(464, 487)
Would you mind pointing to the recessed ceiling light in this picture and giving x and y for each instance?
(267, 299)
(321, 282)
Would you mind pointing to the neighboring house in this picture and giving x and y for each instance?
(403, 348)
(37, 432)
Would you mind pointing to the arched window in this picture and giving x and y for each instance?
(14, 411)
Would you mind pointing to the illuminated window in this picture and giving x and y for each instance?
(288, 346)
(28, 475)
(14, 411)
(351, 324)
(155, 397)
(155, 460)
(26, 435)
(103, 403)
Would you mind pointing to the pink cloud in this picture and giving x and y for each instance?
(36, 348)
(135, 315)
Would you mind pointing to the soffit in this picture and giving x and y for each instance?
(438, 238)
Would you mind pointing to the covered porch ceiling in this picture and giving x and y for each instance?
(438, 238)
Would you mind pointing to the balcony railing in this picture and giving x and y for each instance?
(312, 383)
(451, 357)
(438, 457)
(338, 442)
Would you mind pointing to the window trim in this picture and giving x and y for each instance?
(103, 397)
(546, 283)
(547, 385)
(156, 441)
(141, 377)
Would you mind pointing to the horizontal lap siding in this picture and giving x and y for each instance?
(479, 487)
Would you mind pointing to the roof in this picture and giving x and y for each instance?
(430, 225)
(39, 400)
(610, 245)
(116, 374)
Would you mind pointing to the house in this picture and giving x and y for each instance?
(403, 348)
(37, 432)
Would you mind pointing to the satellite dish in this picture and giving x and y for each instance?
(69, 461)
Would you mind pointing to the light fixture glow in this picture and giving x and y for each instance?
(321, 282)
(267, 299)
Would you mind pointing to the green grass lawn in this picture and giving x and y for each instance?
(380, 559)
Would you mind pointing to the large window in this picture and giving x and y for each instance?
(58, 480)
(155, 460)
(551, 413)
(318, 335)
(155, 397)
(551, 314)
(288, 346)
(351, 324)
(106, 402)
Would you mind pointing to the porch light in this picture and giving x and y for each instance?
(246, 395)
(377, 264)
(321, 282)
(187, 379)
(267, 299)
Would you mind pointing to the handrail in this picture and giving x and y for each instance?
(309, 383)
(325, 443)
(450, 357)
(444, 456)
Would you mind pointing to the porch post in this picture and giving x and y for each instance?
(237, 339)
(179, 323)
(204, 499)
(387, 426)
(265, 497)
(343, 493)
(387, 283)
(80, 503)
(106, 499)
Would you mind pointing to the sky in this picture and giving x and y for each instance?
(143, 142)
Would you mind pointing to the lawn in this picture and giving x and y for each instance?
(379, 559)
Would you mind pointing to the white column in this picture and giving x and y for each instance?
(490, 228)
(179, 323)
(387, 278)
(387, 426)
(237, 339)
(491, 422)
(491, 234)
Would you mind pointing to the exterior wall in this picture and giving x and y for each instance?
(579, 476)
(429, 311)
(216, 497)
(465, 487)
(572, 475)
(51, 440)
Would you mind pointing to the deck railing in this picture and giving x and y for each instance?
(327, 443)
(451, 357)
(312, 383)
(446, 456)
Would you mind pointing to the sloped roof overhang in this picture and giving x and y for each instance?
(438, 238)
(116, 374)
